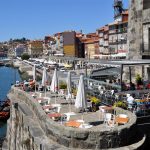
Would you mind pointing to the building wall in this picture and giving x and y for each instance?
(69, 43)
(80, 48)
(69, 50)
(69, 38)
(36, 48)
(90, 50)
(138, 35)
(135, 30)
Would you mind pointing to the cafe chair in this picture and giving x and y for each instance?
(122, 116)
(102, 112)
(85, 126)
(109, 120)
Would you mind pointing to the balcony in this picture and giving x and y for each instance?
(101, 43)
(106, 44)
(105, 37)
(112, 31)
(101, 35)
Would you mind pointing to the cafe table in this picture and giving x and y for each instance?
(55, 116)
(120, 120)
(73, 123)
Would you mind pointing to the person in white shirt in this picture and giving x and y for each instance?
(130, 101)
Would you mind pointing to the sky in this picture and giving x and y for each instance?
(33, 19)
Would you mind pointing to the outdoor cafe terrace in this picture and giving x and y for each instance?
(91, 128)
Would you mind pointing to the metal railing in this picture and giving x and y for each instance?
(102, 90)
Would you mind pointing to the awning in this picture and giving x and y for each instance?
(119, 55)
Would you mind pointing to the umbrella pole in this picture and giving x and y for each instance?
(55, 97)
(69, 105)
(45, 91)
(35, 86)
(82, 118)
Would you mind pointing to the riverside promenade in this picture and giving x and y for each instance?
(29, 127)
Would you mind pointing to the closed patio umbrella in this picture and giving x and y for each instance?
(81, 101)
(34, 75)
(69, 89)
(44, 79)
(69, 85)
(54, 83)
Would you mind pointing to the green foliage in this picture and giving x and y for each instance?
(120, 104)
(24, 76)
(38, 78)
(95, 100)
(25, 56)
(62, 85)
(74, 91)
(138, 79)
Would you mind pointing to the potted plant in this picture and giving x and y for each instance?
(62, 87)
(74, 92)
(138, 79)
(95, 103)
(120, 104)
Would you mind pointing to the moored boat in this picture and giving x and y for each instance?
(1, 63)
(5, 110)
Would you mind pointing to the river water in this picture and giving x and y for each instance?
(8, 76)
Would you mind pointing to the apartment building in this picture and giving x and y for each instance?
(48, 42)
(72, 44)
(91, 45)
(20, 49)
(80, 45)
(35, 48)
(113, 38)
(118, 37)
(57, 44)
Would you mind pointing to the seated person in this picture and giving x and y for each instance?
(130, 101)
(148, 86)
(132, 86)
(124, 87)
(139, 87)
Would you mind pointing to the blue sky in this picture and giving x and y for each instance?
(34, 19)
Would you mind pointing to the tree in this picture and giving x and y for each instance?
(25, 56)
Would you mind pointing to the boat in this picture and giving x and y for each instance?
(4, 110)
(1, 63)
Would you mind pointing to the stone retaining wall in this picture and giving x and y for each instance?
(82, 138)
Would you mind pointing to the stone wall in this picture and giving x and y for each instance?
(29, 127)
(135, 30)
(138, 30)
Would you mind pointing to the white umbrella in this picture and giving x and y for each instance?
(69, 89)
(80, 101)
(34, 72)
(54, 84)
(69, 84)
(44, 79)
(34, 75)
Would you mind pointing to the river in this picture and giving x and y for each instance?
(8, 76)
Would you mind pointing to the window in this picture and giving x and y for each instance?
(146, 4)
